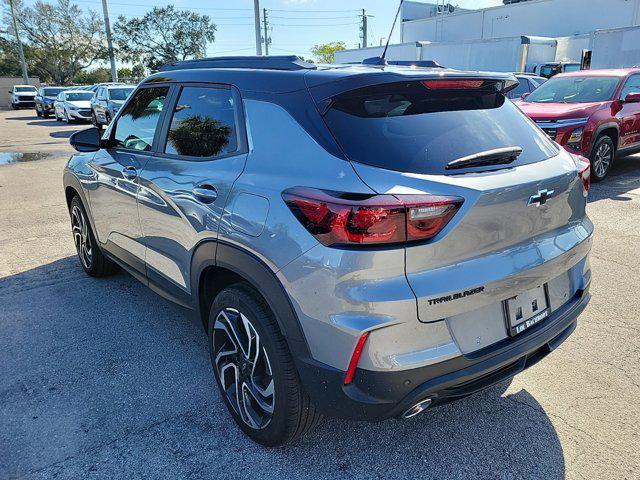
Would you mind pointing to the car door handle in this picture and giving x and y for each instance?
(205, 193)
(129, 172)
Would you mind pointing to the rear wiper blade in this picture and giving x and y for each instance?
(498, 156)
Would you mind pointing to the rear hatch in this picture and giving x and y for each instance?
(522, 223)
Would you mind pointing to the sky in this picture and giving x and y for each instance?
(296, 25)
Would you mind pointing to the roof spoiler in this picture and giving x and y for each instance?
(403, 63)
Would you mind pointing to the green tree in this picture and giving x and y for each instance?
(163, 35)
(63, 39)
(9, 61)
(89, 77)
(325, 52)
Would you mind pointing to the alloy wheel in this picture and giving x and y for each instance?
(243, 368)
(602, 160)
(81, 237)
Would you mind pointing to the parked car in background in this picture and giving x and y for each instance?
(72, 105)
(95, 86)
(594, 113)
(106, 102)
(527, 83)
(45, 99)
(22, 96)
(360, 242)
(550, 69)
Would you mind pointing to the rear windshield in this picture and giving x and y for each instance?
(411, 128)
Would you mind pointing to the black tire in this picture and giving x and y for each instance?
(38, 112)
(13, 106)
(94, 120)
(293, 412)
(95, 264)
(45, 115)
(602, 157)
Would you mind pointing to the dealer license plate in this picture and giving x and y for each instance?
(526, 310)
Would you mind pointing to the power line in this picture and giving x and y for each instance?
(314, 17)
(312, 11)
(314, 24)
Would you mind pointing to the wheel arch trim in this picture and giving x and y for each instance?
(601, 128)
(251, 268)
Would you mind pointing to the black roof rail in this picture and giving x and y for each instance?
(402, 63)
(415, 63)
(275, 62)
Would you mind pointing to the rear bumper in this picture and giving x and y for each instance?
(376, 395)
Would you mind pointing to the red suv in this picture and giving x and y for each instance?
(594, 113)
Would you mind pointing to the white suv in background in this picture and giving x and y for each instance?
(22, 96)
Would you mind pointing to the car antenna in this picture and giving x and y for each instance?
(381, 60)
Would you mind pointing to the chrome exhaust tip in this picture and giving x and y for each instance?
(417, 408)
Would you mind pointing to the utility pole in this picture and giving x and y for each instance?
(364, 29)
(25, 76)
(266, 32)
(107, 27)
(256, 14)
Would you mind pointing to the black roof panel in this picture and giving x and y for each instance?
(281, 74)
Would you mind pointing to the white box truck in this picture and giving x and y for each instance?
(615, 48)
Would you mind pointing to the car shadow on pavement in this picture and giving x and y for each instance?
(102, 377)
(623, 178)
(47, 123)
(63, 133)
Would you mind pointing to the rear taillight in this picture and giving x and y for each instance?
(348, 219)
(584, 172)
(452, 84)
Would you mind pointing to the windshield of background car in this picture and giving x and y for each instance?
(52, 92)
(572, 68)
(25, 89)
(79, 96)
(119, 93)
(410, 127)
(575, 90)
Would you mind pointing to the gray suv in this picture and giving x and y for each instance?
(360, 241)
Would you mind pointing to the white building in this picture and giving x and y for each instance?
(544, 18)
(502, 38)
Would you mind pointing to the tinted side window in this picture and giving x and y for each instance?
(632, 86)
(136, 126)
(203, 123)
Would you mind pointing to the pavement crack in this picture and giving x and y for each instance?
(113, 441)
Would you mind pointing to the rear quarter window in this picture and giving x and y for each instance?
(410, 128)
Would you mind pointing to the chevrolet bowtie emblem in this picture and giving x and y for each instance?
(540, 198)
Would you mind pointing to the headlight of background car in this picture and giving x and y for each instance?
(575, 140)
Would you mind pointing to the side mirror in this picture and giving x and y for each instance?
(525, 95)
(633, 97)
(87, 140)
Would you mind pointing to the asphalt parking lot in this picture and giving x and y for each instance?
(102, 378)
